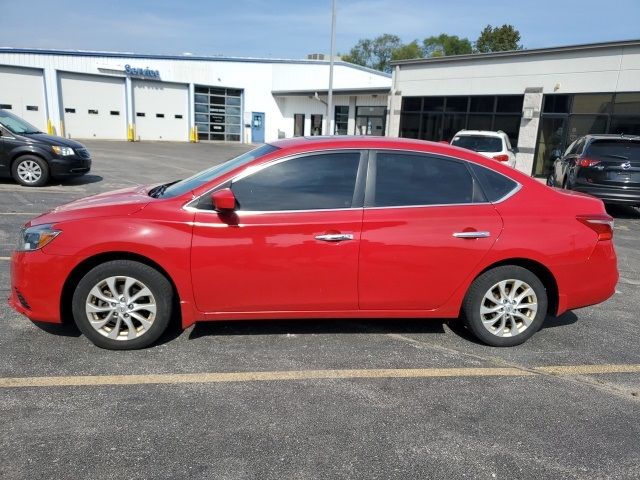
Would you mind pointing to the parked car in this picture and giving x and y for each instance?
(495, 145)
(308, 228)
(32, 157)
(606, 166)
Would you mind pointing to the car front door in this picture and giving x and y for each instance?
(426, 226)
(292, 243)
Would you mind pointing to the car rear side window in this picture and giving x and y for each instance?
(413, 179)
(312, 182)
(494, 184)
(614, 150)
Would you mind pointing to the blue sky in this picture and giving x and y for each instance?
(291, 29)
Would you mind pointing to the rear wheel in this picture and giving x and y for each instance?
(505, 306)
(123, 305)
(30, 171)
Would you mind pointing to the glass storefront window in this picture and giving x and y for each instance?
(433, 104)
(456, 104)
(451, 125)
(551, 144)
(625, 125)
(341, 119)
(411, 104)
(410, 125)
(480, 122)
(627, 103)
(556, 103)
(218, 113)
(482, 104)
(580, 125)
(509, 103)
(592, 103)
(509, 124)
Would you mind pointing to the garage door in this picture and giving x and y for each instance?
(22, 93)
(161, 110)
(93, 106)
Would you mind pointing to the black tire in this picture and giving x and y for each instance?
(156, 282)
(474, 299)
(26, 160)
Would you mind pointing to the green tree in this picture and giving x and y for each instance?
(407, 51)
(444, 45)
(498, 39)
(374, 53)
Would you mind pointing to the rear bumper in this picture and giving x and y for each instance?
(618, 195)
(37, 280)
(590, 282)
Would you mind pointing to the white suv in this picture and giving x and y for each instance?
(494, 145)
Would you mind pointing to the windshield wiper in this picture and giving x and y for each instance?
(33, 132)
(157, 192)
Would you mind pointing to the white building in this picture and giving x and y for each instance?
(542, 98)
(157, 97)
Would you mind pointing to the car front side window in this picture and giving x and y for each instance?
(311, 182)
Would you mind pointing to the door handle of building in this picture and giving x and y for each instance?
(472, 234)
(334, 237)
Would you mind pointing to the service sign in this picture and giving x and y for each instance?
(141, 72)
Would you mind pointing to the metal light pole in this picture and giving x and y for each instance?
(330, 119)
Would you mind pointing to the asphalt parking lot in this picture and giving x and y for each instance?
(322, 399)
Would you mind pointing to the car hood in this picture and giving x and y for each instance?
(116, 203)
(44, 139)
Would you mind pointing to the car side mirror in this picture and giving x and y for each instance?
(224, 200)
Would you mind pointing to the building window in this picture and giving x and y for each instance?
(341, 119)
(115, 113)
(177, 116)
(140, 114)
(218, 113)
(32, 108)
(567, 117)
(91, 111)
(159, 115)
(316, 124)
(370, 120)
(5, 106)
(298, 125)
(440, 118)
(69, 110)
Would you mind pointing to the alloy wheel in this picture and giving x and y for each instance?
(508, 308)
(29, 171)
(121, 308)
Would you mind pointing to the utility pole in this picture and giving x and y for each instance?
(330, 119)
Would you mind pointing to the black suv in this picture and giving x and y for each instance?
(31, 157)
(605, 166)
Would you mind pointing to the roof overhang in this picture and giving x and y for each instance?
(336, 91)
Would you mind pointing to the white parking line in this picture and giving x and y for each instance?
(19, 213)
(5, 258)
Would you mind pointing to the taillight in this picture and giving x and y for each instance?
(601, 223)
(501, 158)
(587, 162)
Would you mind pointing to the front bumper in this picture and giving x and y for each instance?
(37, 281)
(617, 195)
(72, 165)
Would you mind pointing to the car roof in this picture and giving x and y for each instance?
(350, 141)
(610, 136)
(486, 133)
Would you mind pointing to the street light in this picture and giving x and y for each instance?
(330, 119)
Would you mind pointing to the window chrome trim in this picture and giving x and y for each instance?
(188, 205)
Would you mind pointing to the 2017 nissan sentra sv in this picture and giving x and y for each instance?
(320, 228)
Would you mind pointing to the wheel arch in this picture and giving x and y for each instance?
(538, 269)
(87, 264)
(22, 153)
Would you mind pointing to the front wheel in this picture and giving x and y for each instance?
(505, 306)
(122, 305)
(30, 171)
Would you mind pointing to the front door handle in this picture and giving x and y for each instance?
(472, 234)
(334, 237)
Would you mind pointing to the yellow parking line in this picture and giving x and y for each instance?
(97, 380)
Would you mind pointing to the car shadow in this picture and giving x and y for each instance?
(67, 329)
(82, 180)
(623, 212)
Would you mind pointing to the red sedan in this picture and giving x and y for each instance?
(341, 227)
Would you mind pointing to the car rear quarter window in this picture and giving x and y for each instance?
(614, 150)
(495, 185)
(414, 179)
(312, 182)
(478, 143)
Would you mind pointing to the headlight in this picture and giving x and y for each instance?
(33, 238)
(63, 151)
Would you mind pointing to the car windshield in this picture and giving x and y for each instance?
(16, 124)
(478, 143)
(205, 176)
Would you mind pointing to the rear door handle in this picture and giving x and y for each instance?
(334, 237)
(472, 234)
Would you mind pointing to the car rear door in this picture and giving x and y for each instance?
(614, 163)
(426, 226)
(291, 245)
